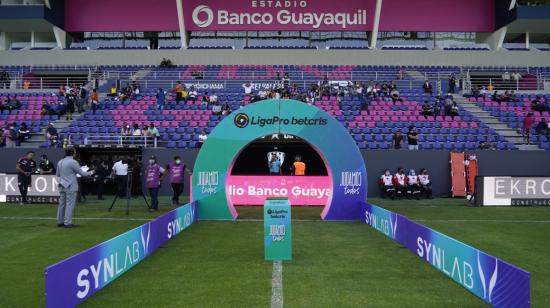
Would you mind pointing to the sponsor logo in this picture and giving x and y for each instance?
(241, 120)
(488, 286)
(203, 10)
(208, 182)
(351, 182)
(387, 226)
(203, 16)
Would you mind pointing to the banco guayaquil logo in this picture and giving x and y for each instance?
(202, 10)
(241, 120)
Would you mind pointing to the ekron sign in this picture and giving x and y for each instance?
(272, 15)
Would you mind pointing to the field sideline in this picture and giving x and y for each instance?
(344, 264)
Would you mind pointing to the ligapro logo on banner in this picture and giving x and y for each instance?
(73, 280)
(496, 282)
(272, 15)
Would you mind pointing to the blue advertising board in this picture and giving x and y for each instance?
(76, 278)
(277, 229)
(495, 281)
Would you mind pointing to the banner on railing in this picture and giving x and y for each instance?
(493, 280)
(75, 279)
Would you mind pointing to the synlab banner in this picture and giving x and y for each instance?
(295, 15)
(43, 189)
(73, 280)
(493, 280)
(300, 190)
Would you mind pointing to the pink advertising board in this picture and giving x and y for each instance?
(273, 15)
(300, 190)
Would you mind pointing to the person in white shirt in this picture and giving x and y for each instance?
(386, 185)
(120, 172)
(400, 182)
(216, 109)
(425, 183)
(413, 187)
(193, 94)
(247, 89)
(202, 137)
(213, 98)
(136, 131)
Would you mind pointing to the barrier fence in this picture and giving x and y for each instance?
(73, 280)
(495, 281)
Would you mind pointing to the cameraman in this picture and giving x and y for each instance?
(120, 173)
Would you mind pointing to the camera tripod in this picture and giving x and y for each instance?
(129, 195)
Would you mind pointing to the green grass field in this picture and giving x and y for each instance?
(220, 264)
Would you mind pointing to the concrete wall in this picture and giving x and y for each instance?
(491, 163)
(329, 57)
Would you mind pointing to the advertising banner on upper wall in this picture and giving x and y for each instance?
(274, 15)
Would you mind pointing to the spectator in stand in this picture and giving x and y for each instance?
(483, 92)
(202, 137)
(395, 96)
(454, 111)
(51, 135)
(225, 109)
(71, 103)
(247, 89)
(114, 91)
(205, 99)
(145, 131)
(506, 78)
(5, 80)
(397, 140)
(505, 97)
(436, 107)
(426, 110)
(136, 131)
(126, 130)
(513, 97)
(516, 77)
(427, 87)
(452, 83)
(26, 85)
(537, 105)
(542, 127)
(527, 124)
(153, 131)
(487, 145)
(94, 101)
(24, 133)
(193, 94)
(216, 108)
(213, 98)
(286, 81)
(448, 104)
(161, 98)
(179, 92)
(412, 137)
(13, 103)
(10, 136)
(166, 63)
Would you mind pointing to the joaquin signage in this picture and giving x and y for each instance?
(513, 191)
(43, 189)
(493, 280)
(268, 15)
(75, 279)
(212, 185)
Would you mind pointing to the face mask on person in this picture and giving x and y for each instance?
(387, 173)
(151, 161)
(413, 173)
(178, 161)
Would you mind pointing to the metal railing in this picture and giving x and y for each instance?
(119, 140)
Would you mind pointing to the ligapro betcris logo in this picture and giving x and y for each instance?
(203, 9)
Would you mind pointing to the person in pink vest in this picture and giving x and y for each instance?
(176, 169)
(153, 175)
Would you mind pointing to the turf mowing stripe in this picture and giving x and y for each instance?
(277, 285)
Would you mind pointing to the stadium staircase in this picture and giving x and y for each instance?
(37, 139)
(511, 135)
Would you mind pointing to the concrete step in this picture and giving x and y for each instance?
(529, 147)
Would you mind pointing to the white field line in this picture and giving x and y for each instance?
(277, 285)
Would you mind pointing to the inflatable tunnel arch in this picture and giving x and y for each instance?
(344, 161)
